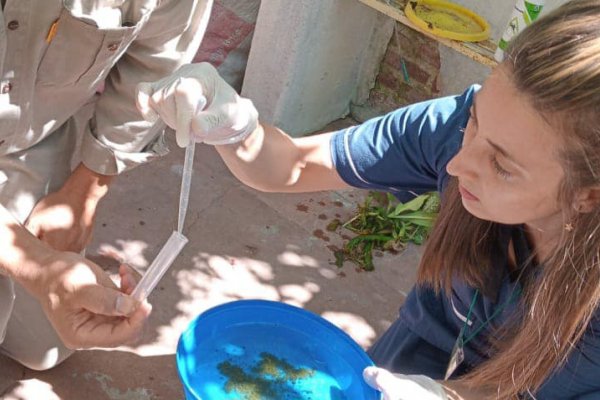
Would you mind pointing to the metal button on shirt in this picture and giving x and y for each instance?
(13, 25)
(113, 46)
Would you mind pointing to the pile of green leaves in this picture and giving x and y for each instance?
(382, 223)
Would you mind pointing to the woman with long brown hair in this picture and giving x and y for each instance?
(507, 299)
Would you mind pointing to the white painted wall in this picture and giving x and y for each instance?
(458, 71)
(310, 58)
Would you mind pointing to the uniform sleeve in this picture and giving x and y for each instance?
(406, 151)
(579, 377)
(117, 137)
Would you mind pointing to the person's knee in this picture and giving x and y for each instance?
(45, 361)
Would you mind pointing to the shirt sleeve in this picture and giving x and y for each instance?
(578, 378)
(117, 138)
(406, 151)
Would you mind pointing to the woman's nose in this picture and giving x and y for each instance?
(464, 164)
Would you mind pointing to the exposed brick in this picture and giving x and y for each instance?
(422, 60)
(431, 54)
(392, 58)
(416, 72)
(408, 94)
(387, 79)
(404, 36)
(411, 38)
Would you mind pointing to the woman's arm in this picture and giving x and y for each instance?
(271, 161)
(201, 106)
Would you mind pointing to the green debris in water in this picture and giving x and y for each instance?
(383, 223)
(249, 386)
(270, 378)
(280, 369)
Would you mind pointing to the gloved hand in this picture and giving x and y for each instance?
(196, 99)
(403, 387)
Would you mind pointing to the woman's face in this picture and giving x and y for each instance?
(508, 168)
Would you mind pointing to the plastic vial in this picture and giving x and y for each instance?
(159, 266)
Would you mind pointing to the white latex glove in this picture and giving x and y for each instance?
(403, 387)
(196, 99)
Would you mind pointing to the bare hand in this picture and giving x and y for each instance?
(129, 278)
(63, 221)
(84, 305)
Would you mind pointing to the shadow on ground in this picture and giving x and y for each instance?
(243, 245)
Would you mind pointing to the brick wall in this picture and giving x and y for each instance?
(228, 37)
(409, 73)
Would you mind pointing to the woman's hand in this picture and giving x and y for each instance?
(403, 387)
(196, 101)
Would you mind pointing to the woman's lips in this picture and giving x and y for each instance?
(466, 194)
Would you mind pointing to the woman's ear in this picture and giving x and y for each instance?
(588, 199)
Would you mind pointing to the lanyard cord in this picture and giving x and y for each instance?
(484, 324)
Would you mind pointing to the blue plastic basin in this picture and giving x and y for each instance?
(240, 335)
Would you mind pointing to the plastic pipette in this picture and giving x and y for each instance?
(186, 181)
(177, 241)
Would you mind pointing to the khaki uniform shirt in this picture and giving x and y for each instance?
(55, 55)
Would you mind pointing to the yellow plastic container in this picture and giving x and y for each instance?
(447, 20)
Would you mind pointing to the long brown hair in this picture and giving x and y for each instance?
(555, 63)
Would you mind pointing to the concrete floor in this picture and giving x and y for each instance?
(243, 244)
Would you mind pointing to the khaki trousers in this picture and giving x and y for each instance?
(26, 335)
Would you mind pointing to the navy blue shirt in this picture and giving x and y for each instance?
(405, 153)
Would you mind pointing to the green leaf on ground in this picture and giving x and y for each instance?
(384, 224)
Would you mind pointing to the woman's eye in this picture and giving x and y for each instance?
(499, 170)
